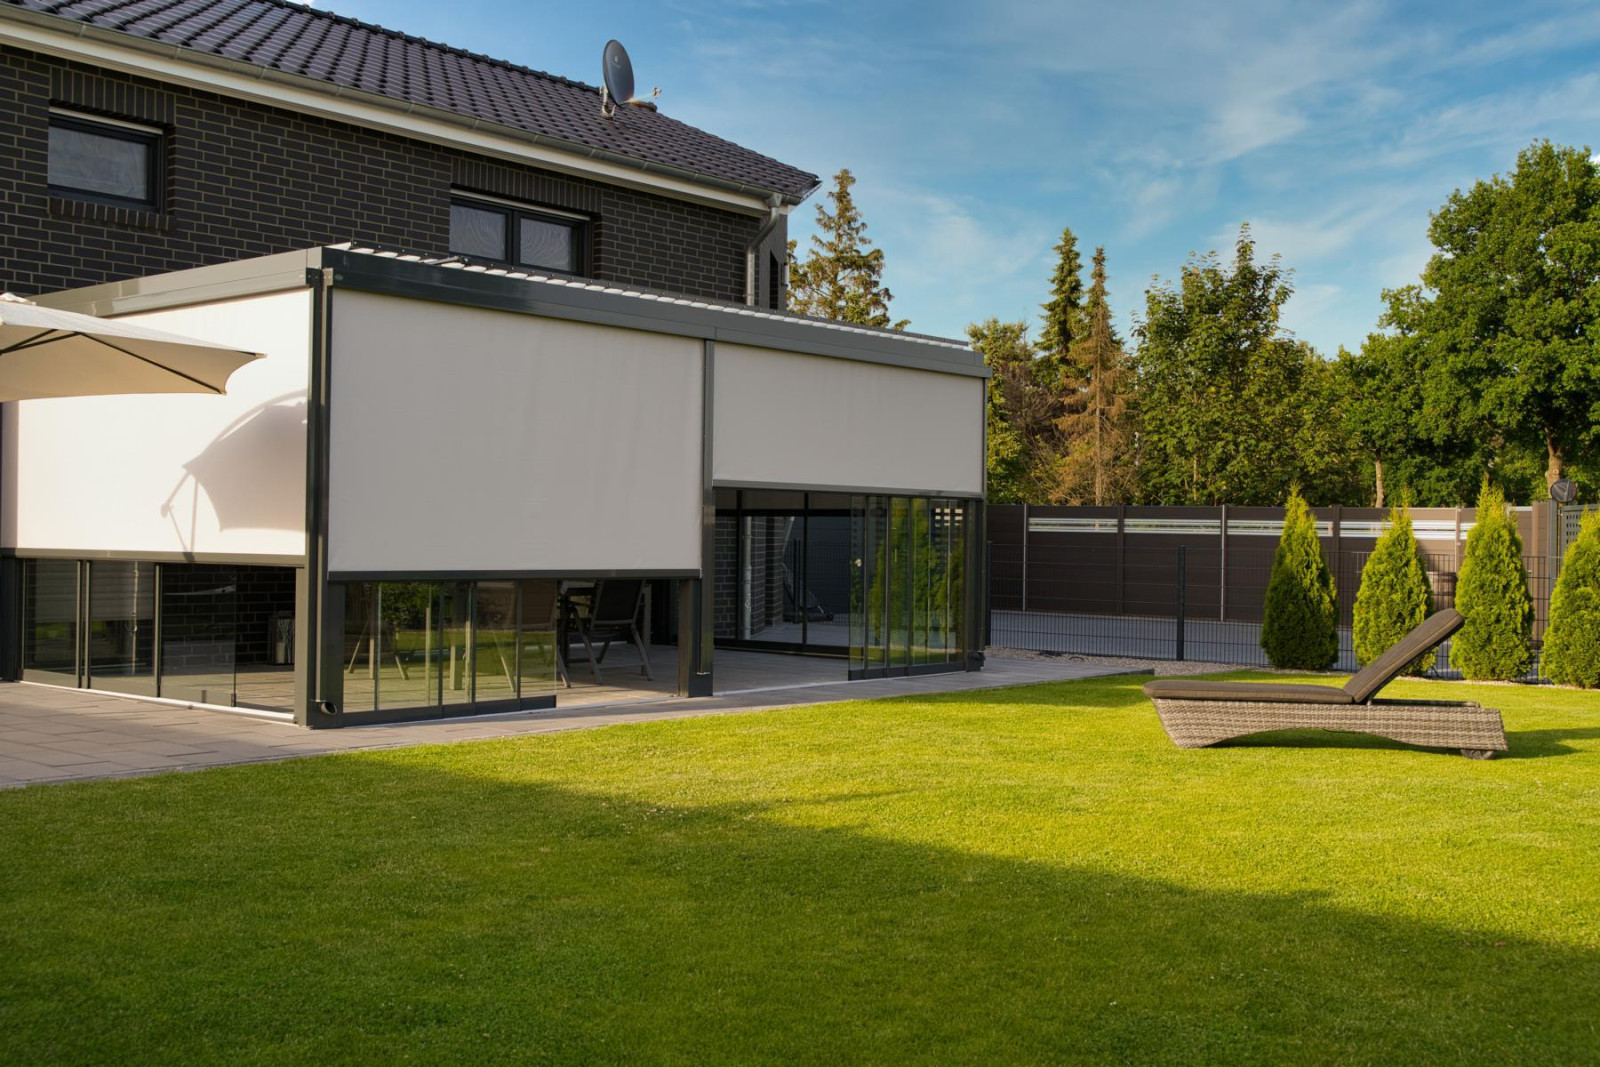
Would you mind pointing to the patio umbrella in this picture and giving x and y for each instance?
(48, 353)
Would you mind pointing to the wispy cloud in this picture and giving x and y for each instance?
(978, 131)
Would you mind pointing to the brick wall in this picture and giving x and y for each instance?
(244, 180)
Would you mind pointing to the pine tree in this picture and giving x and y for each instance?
(842, 276)
(1096, 466)
(1299, 624)
(1008, 354)
(1065, 321)
(1394, 596)
(1492, 594)
(1572, 640)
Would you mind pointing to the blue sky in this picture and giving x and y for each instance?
(977, 131)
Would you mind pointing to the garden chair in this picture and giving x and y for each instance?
(1196, 713)
(612, 614)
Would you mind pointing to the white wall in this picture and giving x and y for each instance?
(782, 418)
(180, 473)
(472, 440)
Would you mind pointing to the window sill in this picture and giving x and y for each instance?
(133, 218)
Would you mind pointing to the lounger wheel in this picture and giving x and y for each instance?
(1478, 753)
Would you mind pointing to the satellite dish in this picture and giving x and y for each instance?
(618, 70)
(1563, 491)
(618, 89)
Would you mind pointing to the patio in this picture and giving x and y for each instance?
(53, 735)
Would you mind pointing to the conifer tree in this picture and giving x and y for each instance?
(1394, 596)
(842, 277)
(1096, 465)
(1572, 640)
(1065, 321)
(1492, 594)
(1008, 353)
(1299, 624)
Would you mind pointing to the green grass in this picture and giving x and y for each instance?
(1022, 875)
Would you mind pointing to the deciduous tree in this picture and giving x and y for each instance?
(1232, 409)
(1505, 324)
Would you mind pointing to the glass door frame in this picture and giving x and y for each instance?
(885, 531)
(809, 506)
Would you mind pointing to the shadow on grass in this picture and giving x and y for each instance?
(425, 905)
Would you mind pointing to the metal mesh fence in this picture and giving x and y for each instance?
(1185, 603)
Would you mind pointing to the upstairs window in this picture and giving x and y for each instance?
(105, 161)
(520, 236)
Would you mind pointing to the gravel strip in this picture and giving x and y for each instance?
(1161, 667)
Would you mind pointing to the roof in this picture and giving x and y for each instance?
(451, 279)
(298, 40)
(644, 295)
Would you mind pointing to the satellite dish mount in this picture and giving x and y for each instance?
(617, 81)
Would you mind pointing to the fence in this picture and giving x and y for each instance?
(1189, 583)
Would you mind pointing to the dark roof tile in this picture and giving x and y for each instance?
(319, 44)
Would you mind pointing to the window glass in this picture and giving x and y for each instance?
(199, 632)
(50, 620)
(548, 244)
(536, 641)
(477, 231)
(122, 627)
(494, 642)
(104, 164)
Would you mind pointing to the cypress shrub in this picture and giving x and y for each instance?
(1572, 641)
(1394, 596)
(1299, 625)
(1492, 594)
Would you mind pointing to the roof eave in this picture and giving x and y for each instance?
(752, 197)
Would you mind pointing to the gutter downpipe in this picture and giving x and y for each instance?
(774, 214)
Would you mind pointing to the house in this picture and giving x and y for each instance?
(520, 360)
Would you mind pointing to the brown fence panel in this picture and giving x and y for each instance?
(1104, 581)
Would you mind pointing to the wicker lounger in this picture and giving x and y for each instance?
(1196, 713)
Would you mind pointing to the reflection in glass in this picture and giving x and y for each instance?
(547, 244)
(476, 231)
(199, 633)
(122, 628)
(102, 164)
(50, 620)
(455, 664)
(536, 638)
(907, 603)
(361, 646)
(408, 645)
(494, 642)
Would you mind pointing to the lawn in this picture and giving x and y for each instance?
(1021, 875)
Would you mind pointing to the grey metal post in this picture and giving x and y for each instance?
(1024, 557)
(1183, 553)
(1122, 537)
(1222, 569)
(696, 596)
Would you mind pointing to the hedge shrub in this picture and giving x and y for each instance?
(1492, 593)
(1299, 625)
(1394, 596)
(1572, 641)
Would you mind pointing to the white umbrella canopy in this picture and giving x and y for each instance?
(50, 353)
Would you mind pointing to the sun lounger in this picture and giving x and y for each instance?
(1197, 713)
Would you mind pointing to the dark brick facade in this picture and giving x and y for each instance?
(244, 180)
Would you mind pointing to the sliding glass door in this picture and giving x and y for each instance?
(201, 633)
(793, 571)
(908, 603)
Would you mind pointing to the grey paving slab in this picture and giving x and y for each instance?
(56, 735)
